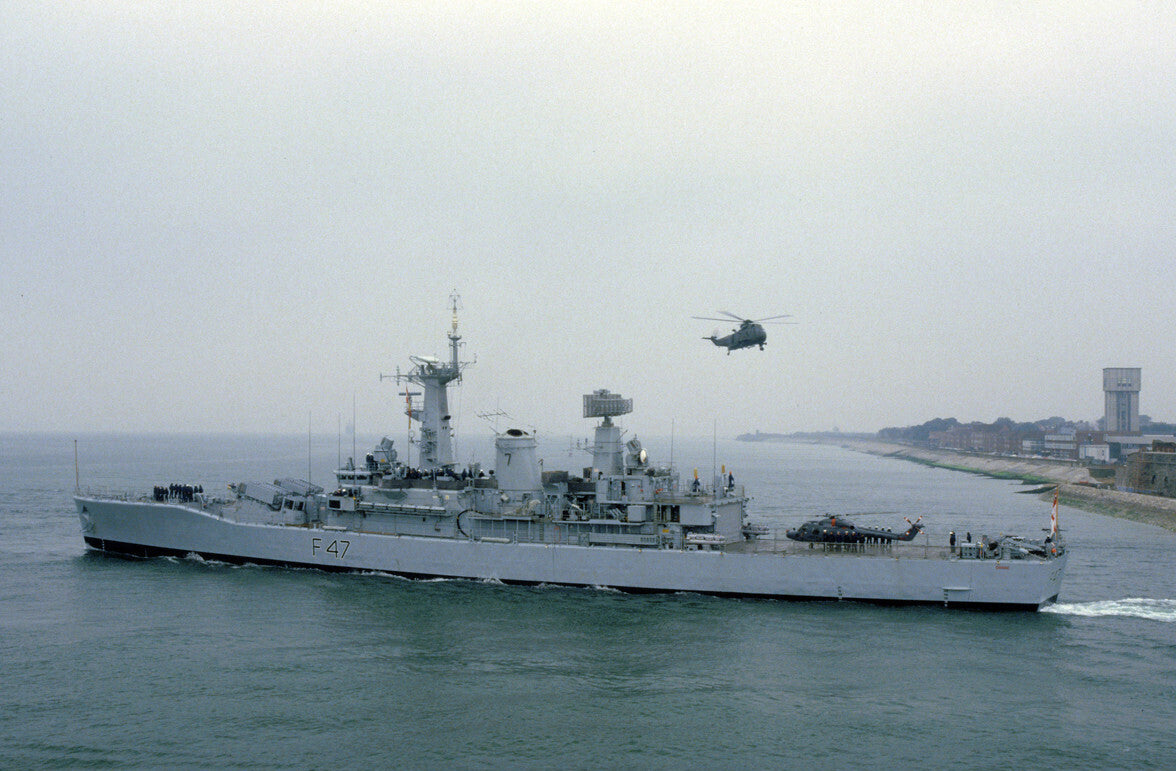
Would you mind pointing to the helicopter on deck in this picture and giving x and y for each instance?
(840, 530)
(750, 331)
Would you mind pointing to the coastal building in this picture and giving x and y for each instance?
(1122, 433)
(1033, 446)
(1095, 453)
(1061, 444)
(1071, 444)
(1121, 392)
(1123, 445)
(977, 437)
(1151, 471)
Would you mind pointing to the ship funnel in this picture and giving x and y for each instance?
(516, 466)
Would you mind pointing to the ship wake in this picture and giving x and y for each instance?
(1132, 607)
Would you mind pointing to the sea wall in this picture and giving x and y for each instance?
(1075, 485)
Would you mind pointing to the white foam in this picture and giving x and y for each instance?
(1133, 607)
(395, 577)
(380, 574)
(194, 557)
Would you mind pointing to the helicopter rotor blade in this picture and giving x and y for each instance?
(708, 318)
(770, 318)
(732, 315)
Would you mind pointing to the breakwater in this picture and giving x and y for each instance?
(1075, 485)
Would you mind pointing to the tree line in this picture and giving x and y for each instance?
(1051, 425)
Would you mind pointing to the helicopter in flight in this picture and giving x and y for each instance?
(750, 331)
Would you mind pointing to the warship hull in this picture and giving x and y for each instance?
(150, 528)
(623, 522)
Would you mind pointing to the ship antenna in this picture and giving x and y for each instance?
(454, 337)
(714, 447)
(454, 343)
(671, 444)
(77, 475)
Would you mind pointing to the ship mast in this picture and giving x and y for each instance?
(435, 447)
(454, 337)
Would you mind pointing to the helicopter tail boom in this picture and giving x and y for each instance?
(912, 531)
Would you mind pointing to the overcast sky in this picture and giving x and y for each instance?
(229, 216)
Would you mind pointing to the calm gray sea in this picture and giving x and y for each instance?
(108, 662)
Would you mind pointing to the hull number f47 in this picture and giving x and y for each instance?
(337, 548)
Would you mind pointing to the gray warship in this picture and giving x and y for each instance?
(623, 522)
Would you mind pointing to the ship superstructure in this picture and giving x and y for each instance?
(623, 522)
(434, 376)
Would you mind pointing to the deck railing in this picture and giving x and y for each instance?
(112, 494)
(777, 542)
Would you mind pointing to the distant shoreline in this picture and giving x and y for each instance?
(801, 436)
(1075, 486)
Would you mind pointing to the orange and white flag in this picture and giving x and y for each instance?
(1053, 515)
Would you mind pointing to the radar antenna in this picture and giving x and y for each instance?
(492, 418)
(606, 446)
(602, 404)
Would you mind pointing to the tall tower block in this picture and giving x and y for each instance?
(1121, 387)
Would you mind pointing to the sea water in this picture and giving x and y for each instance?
(111, 662)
